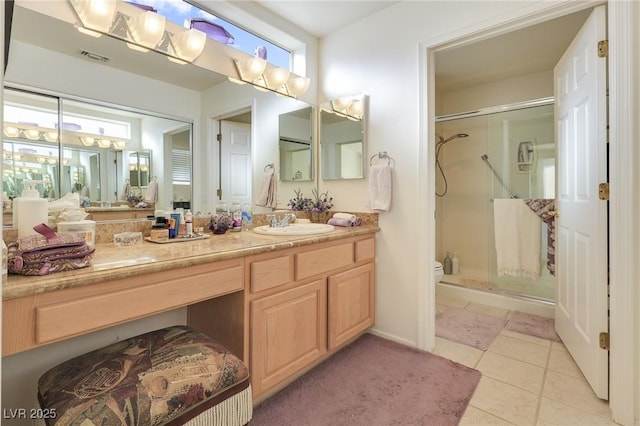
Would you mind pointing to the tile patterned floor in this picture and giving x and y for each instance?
(525, 380)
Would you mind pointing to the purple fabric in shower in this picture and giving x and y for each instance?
(542, 208)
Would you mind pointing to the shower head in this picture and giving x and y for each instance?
(484, 157)
(450, 138)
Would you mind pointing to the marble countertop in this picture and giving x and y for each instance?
(111, 262)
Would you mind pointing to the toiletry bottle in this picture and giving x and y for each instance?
(455, 264)
(236, 215)
(247, 217)
(221, 207)
(188, 220)
(447, 265)
(29, 210)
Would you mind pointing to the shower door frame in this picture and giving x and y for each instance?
(490, 267)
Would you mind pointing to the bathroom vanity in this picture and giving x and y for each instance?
(281, 302)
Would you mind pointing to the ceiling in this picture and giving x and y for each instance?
(323, 17)
(528, 50)
(36, 28)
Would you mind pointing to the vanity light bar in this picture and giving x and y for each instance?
(141, 30)
(254, 70)
(351, 107)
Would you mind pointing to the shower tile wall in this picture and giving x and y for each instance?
(462, 215)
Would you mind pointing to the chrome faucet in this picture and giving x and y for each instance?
(283, 221)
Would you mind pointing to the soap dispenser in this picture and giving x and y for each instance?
(29, 210)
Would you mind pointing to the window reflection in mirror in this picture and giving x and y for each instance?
(343, 138)
(94, 154)
(296, 145)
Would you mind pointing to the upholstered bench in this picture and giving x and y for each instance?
(174, 376)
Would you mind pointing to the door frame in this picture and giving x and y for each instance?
(623, 226)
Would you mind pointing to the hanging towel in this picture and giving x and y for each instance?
(543, 207)
(126, 191)
(152, 192)
(380, 188)
(517, 238)
(267, 196)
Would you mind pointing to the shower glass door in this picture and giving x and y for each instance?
(510, 151)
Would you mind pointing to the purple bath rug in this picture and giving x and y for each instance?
(374, 382)
(468, 327)
(533, 325)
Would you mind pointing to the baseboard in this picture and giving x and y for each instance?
(392, 337)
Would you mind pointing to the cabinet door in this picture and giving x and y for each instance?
(288, 332)
(351, 304)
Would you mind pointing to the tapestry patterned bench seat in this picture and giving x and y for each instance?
(172, 376)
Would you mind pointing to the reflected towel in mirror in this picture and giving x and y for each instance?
(126, 191)
(152, 193)
(267, 196)
(380, 188)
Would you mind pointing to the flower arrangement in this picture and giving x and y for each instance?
(320, 202)
(134, 199)
(299, 202)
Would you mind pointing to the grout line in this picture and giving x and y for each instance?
(544, 381)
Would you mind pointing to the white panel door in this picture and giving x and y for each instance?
(581, 225)
(235, 163)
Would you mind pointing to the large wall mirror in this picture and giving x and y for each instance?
(343, 137)
(296, 147)
(101, 152)
(127, 75)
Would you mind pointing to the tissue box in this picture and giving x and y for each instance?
(124, 239)
(85, 227)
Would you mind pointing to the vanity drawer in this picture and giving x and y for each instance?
(270, 273)
(156, 293)
(365, 249)
(315, 262)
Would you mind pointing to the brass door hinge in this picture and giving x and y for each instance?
(603, 48)
(219, 137)
(604, 341)
(603, 191)
(219, 193)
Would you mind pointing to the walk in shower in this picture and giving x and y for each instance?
(509, 153)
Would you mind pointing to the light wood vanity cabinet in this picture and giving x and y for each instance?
(305, 303)
(288, 332)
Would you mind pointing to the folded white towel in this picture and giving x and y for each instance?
(267, 196)
(347, 216)
(380, 188)
(152, 193)
(517, 238)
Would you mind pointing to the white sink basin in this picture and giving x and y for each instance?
(295, 229)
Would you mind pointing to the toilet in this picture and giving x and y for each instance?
(439, 272)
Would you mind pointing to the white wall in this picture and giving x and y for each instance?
(379, 56)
